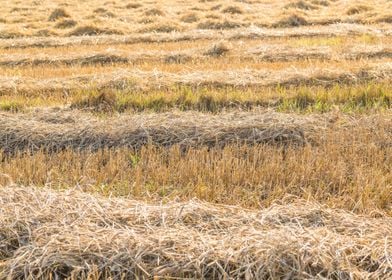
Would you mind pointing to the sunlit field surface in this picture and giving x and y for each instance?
(200, 139)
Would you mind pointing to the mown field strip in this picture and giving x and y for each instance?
(137, 79)
(74, 233)
(54, 131)
(270, 53)
(349, 169)
(237, 34)
(57, 131)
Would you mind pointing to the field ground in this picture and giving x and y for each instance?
(196, 139)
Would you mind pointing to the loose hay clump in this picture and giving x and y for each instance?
(58, 14)
(215, 24)
(190, 18)
(66, 23)
(90, 30)
(291, 21)
(302, 5)
(232, 10)
(177, 58)
(357, 10)
(161, 27)
(218, 49)
(154, 12)
(45, 33)
(49, 234)
(133, 6)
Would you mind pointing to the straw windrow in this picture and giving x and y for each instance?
(77, 235)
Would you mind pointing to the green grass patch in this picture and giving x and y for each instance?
(303, 99)
(11, 105)
(356, 98)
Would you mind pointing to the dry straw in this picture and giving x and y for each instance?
(48, 234)
(57, 131)
(266, 52)
(240, 33)
(123, 78)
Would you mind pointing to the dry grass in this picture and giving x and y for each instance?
(222, 158)
(123, 79)
(232, 10)
(58, 14)
(228, 60)
(56, 131)
(190, 18)
(217, 50)
(358, 9)
(90, 30)
(302, 5)
(227, 15)
(344, 172)
(291, 21)
(66, 23)
(266, 52)
(77, 235)
(242, 33)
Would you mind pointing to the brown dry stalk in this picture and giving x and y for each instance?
(138, 79)
(72, 234)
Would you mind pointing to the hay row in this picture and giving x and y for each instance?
(49, 234)
(287, 53)
(146, 80)
(58, 130)
(252, 32)
(271, 53)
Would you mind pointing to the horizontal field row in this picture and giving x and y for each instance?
(351, 171)
(58, 130)
(75, 234)
(268, 53)
(254, 33)
(123, 79)
(360, 98)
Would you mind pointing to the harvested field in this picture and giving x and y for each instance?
(55, 131)
(271, 53)
(344, 172)
(237, 34)
(76, 235)
(196, 139)
(124, 79)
